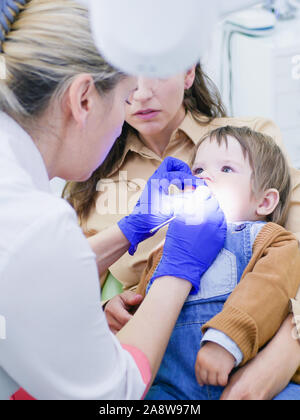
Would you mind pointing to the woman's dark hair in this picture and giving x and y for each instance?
(202, 100)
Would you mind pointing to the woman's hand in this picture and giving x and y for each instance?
(153, 207)
(270, 371)
(254, 381)
(120, 309)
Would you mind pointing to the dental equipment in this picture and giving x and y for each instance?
(162, 225)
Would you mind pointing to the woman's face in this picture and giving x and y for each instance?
(157, 104)
(102, 128)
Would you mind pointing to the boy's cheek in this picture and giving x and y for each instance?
(229, 202)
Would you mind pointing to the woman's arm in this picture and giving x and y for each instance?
(155, 319)
(108, 245)
(164, 301)
(296, 313)
(281, 355)
(293, 217)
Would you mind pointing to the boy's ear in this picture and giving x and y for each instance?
(268, 203)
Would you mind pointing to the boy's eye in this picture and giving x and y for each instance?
(227, 169)
(198, 171)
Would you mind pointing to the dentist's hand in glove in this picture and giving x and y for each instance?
(193, 240)
(150, 211)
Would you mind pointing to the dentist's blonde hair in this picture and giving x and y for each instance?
(47, 44)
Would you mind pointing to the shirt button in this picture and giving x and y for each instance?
(132, 186)
(240, 227)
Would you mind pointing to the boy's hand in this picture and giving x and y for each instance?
(213, 365)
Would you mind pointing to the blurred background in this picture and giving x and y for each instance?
(255, 62)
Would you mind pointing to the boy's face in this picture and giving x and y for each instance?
(228, 175)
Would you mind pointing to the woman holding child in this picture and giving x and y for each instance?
(168, 118)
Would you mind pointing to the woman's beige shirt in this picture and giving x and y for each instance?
(118, 193)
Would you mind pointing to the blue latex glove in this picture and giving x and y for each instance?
(149, 211)
(190, 249)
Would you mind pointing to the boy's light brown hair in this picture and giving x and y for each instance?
(269, 165)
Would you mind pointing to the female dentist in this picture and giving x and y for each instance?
(62, 107)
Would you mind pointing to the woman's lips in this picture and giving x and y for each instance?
(146, 114)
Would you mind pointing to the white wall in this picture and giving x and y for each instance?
(228, 6)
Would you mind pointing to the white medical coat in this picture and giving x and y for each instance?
(54, 342)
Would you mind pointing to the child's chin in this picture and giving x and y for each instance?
(230, 214)
(234, 219)
(230, 218)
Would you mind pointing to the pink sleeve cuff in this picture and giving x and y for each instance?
(142, 363)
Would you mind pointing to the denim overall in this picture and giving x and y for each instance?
(176, 377)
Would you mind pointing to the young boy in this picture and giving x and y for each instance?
(260, 261)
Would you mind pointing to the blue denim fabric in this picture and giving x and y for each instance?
(176, 377)
(290, 393)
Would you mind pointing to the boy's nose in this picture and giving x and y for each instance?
(206, 176)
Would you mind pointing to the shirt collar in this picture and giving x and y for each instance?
(190, 126)
(21, 148)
